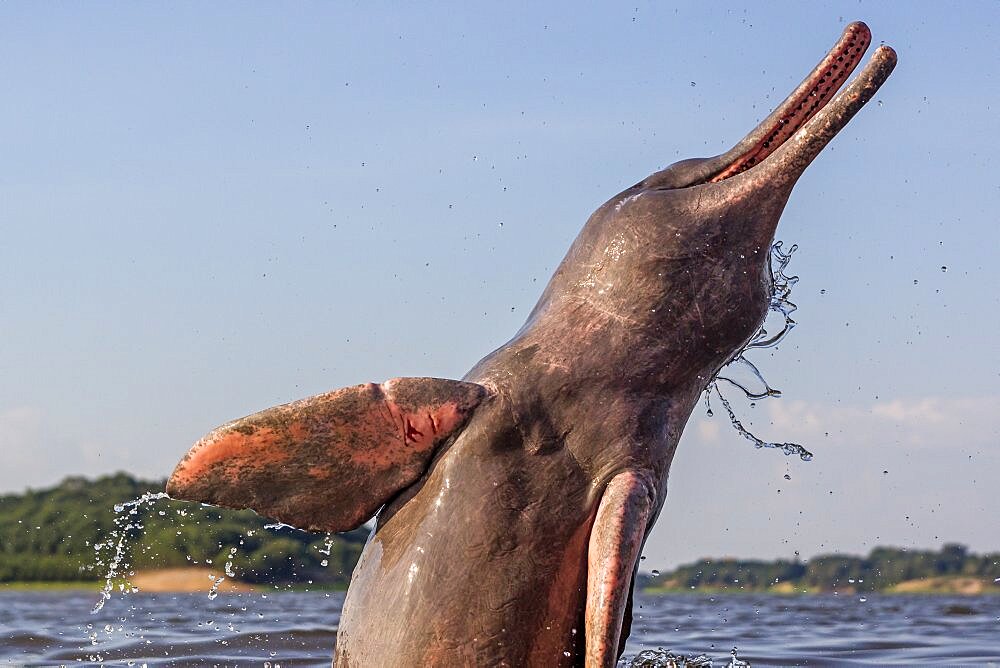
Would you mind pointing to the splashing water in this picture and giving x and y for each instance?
(780, 303)
(125, 547)
(736, 662)
(787, 448)
(781, 292)
(661, 658)
(114, 554)
(278, 526)
(327, 547)
(217, 580)
(126, 519)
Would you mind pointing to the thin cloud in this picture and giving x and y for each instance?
(918, 422)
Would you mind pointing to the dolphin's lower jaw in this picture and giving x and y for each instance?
(800, 126)
(514, 504)
(803, 103)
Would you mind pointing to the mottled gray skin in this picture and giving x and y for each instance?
(484, 560)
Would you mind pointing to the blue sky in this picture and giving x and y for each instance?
(210, 210)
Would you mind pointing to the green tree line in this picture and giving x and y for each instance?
(883, 568)
(52, 535)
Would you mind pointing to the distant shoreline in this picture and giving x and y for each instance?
(62, 539)
(51, 585)
(185, 580)
(931, 586)
(196, 580)
(153, 581)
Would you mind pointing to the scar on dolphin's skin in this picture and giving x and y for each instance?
(512, 505)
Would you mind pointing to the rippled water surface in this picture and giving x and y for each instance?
(298, 628)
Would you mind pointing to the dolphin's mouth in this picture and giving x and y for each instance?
(812, 115)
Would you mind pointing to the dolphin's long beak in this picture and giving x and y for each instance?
(804, 102)
(798, 129)
(790, 159)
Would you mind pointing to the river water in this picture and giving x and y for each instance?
(298, 629)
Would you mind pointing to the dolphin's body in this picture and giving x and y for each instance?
(517, 500)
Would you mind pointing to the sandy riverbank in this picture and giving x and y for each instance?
(185, 580)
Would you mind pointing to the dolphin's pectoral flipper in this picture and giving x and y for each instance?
(327, 463)
(615, 542)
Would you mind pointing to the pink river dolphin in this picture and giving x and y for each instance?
(512, 505)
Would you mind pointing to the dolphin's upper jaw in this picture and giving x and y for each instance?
(807, 100)
(784, 143)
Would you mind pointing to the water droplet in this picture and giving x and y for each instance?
(915, 281)
(788, 477)
(944, 268)
(787, 448)
(123, 526)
